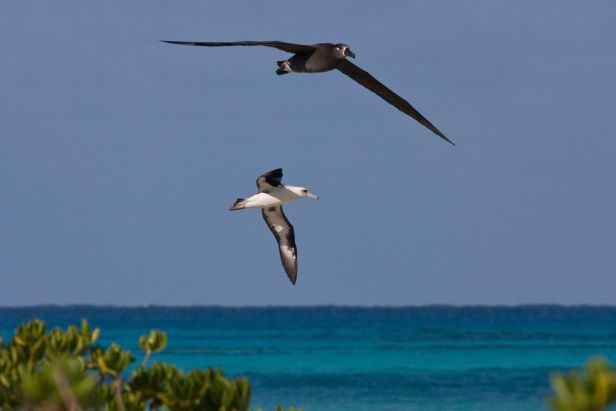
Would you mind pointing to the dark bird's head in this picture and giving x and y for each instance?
(342, 51)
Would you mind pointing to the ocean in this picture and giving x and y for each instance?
(376, 359)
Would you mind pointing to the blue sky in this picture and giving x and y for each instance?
(120, 155)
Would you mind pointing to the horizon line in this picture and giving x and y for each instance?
(341, 306)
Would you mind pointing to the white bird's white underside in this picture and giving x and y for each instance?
(275, 197)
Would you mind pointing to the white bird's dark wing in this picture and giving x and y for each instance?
(280, 45)
(367, 80)
(269, 180)
(285, 235)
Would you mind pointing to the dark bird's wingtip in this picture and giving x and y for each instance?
(441, 135)
(173, 42)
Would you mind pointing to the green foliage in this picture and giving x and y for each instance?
(593, 389)
(64, 370)
(65, 381)
(206, 390)
(155, 342)
(111, 361)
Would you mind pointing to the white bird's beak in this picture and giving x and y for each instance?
(312, 195)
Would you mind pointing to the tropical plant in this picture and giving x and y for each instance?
(592, 389)
(65, 370)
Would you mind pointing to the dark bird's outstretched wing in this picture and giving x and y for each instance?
(365, 79)
(280, 45)
(269, 180)
(285, 235)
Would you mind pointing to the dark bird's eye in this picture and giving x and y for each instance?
(305, 191)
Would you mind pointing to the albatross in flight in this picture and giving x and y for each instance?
(317, 58)
(270, 198)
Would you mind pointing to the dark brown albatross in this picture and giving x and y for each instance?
(317, 58)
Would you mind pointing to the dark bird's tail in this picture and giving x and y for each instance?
(283, 67)
(238, 205)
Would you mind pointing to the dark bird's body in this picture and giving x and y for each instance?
(321, 57)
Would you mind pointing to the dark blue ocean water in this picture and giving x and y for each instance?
(332, 358)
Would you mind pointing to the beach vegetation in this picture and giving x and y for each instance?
(590, 389)
(54, 370)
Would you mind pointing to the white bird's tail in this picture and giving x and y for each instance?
(238, 205)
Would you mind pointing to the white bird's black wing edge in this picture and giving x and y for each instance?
(280, 45)
(285, 235)
(367, 80)
(269, 180)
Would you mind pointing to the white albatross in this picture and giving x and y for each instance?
(270, 198)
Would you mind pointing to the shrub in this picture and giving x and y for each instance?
(65, 370)
(593, 389)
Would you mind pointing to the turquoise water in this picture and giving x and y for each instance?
(332, 358)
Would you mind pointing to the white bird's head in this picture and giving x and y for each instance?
(302, 192)
(342, 51)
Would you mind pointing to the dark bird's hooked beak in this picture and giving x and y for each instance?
(349, 53)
